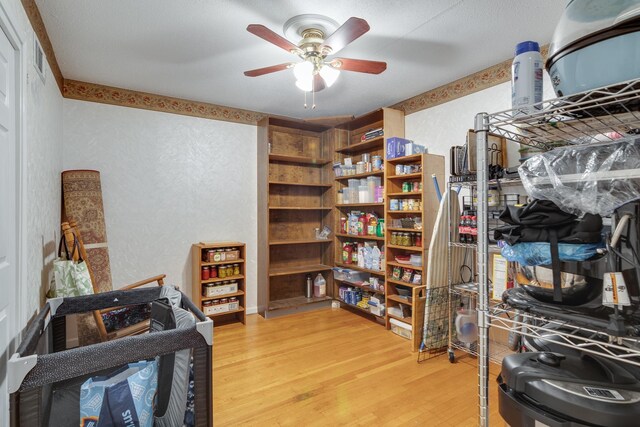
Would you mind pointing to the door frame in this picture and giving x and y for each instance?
(17, 40)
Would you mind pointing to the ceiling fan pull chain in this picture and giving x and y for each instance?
(305, 100)
(313, 94)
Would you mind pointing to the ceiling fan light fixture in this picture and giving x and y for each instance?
(329, 74)
(305, 85)
(303, 71)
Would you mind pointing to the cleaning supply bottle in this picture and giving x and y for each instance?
(380, 228)
(526, 77)
(346, 252)
(372, 225)
(319, 287)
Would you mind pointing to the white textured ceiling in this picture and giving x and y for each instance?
(198, 49)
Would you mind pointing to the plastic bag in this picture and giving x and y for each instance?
(539, 253)
(581, 178)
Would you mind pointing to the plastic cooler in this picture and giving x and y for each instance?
(44, 376)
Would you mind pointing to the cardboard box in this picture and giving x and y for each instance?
(221, 308)
(221, 290)
(396, 147)
(231, 255)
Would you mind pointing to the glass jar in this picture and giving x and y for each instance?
(405, 239)
(205, 273)
(236, 269)
(394, 238)
(222, 272)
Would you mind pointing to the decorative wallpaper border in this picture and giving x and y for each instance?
(147, 101)
(489, 77)
(93, 92)
(33, 13)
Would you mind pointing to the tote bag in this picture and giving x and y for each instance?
(124, 398)
(70, 278)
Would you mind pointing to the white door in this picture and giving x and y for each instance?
(8, 214)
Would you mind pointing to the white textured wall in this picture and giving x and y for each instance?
(167, 181)
(42, 164)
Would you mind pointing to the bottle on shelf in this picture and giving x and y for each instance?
(319, 287)
(309, 290)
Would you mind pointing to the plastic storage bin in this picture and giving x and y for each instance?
(44, 377)
(400, 328)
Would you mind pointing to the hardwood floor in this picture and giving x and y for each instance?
(332, 367)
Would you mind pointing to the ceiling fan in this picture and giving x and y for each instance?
(316, 72)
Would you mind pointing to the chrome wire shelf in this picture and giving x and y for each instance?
(593, 116)
(565, 333)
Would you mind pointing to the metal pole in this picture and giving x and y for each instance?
(482, 170)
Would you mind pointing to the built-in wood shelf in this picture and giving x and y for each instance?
(218, 279)
(408, 248)
(359, 175)
(398, 298)
(356, 205)
(400, 282)
(360, 285)
(298, 242)
(406, 176)
(405, 159)
(404, 212)
(397, 264)
(370, 144)
(352, 236)
(406, 320)
(298, 269)
(283, 304)
(405, 193)
(238, 261)
(355, 267)
(298, 208)
(239, 310)
(235, 294)
(298, 159)
(410, 230)
(359, 309)
(300, 184)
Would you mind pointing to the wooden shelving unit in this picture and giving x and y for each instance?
(200, 260)
(426, 197)
(349, 144)
(295, 196)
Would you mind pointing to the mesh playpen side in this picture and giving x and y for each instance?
(44, 377)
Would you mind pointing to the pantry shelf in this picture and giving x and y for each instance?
(298, 208)
(408, 248)
(406, 320)
(300, 184)
(351, 236)
(297, 242)
(235, 294)
(239, 310)
(406, 176)
(359, 309)
(404, 212)
(283, 304)
(355, 267)
(359, 175)
(397, 264)
(237, 261)
(400, 282)
(406, 193)
(398, 298)
(360, 285)
(362, 146)
(410, 230)
(404, 159)
(216, 280)
(298, 159)
(356, 205)
(299, 269)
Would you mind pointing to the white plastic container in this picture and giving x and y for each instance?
(319, 287)
(526, 77)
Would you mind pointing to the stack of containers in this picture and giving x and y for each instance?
(350, 194)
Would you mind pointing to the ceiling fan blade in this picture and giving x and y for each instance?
(318, 83)
(358, 65)
(266, 70)
(268, 35)
(345, 34)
